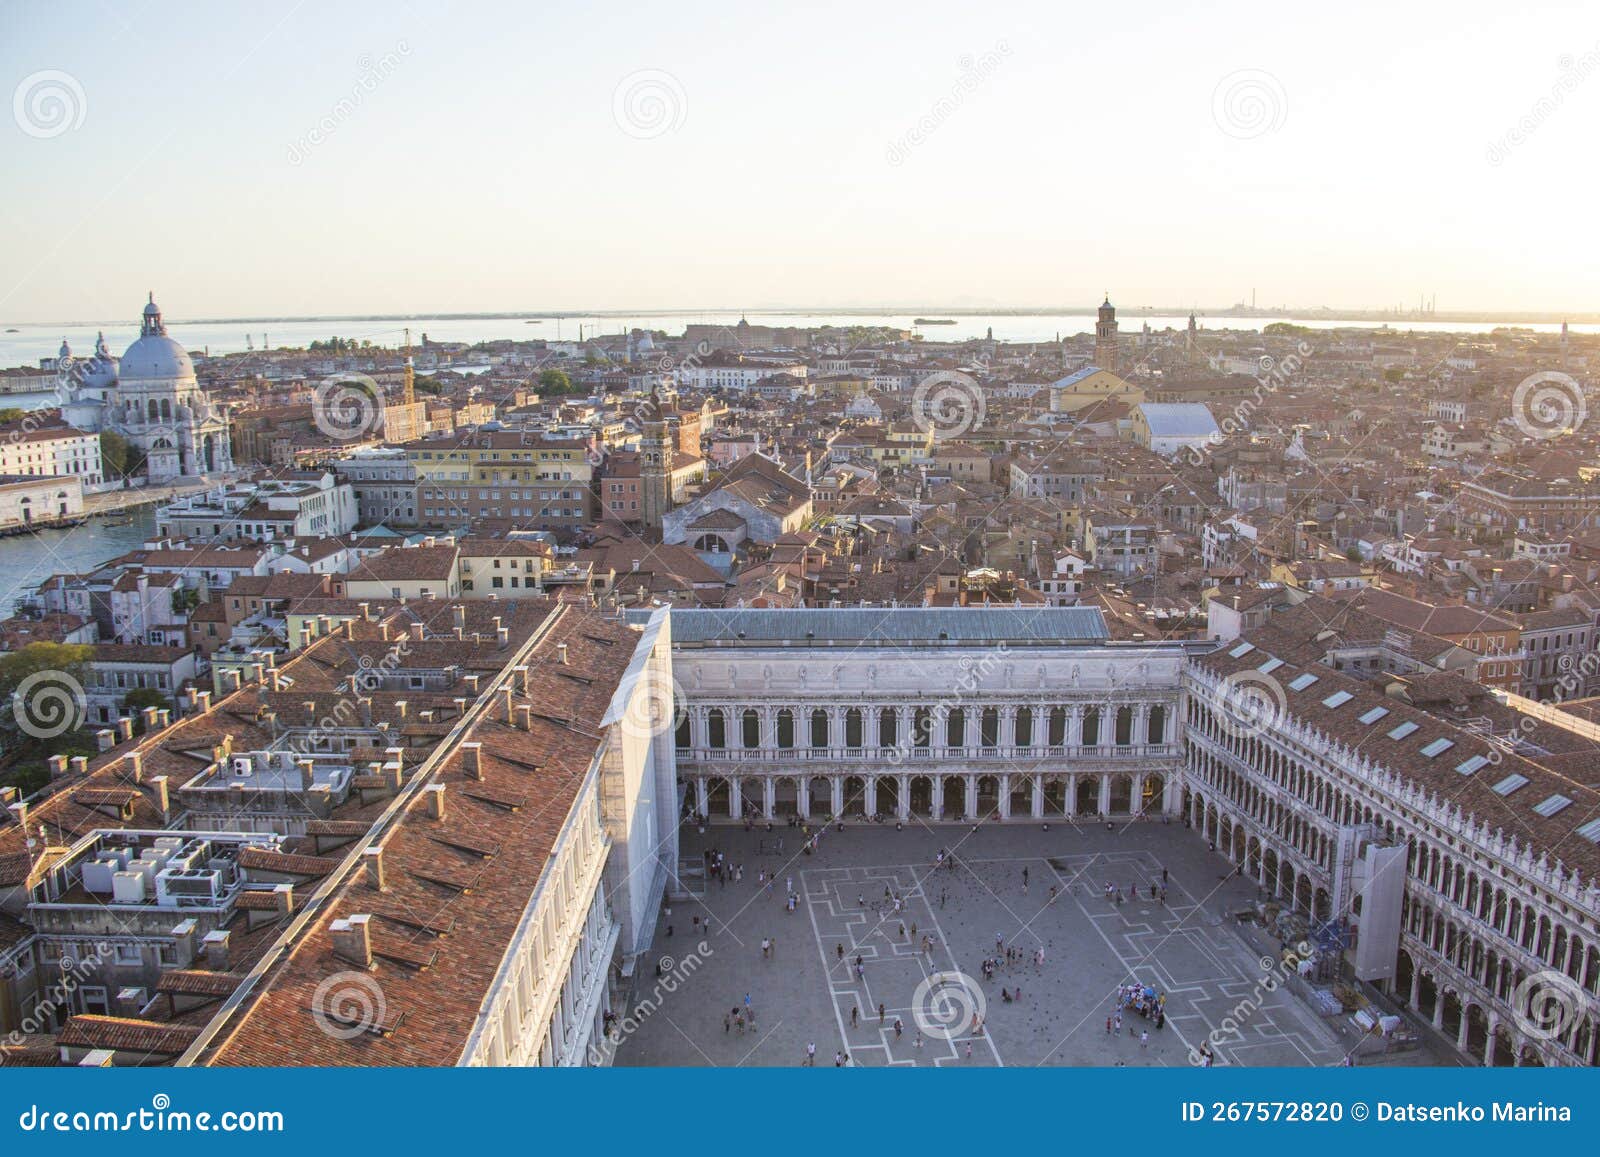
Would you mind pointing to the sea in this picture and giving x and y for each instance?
(25, 344)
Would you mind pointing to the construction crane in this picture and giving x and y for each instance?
(410, 386)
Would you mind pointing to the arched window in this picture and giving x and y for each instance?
(1058, 727)
(888, 726)
(166, 409)
(785, 728)
(955, 728)
(1158, 724)
(922, 726)
(1024, 727)
(716, 729)
(819, 728)
(1124, 726)
(683, 739)
(153, 411)
(989, 727)
(1091, 727)
(751, 726)
(852, 727)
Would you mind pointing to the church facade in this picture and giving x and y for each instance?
(152, 398)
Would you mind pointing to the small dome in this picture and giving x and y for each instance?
(65, 351)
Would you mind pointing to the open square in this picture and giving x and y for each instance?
(846, 949)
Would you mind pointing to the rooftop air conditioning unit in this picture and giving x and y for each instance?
(127, 888)
(241, 766)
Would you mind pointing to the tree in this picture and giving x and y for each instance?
(554, 382)
(41, 687)
(116, 454)
(12, 414)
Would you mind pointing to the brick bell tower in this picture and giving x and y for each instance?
(1105, 336)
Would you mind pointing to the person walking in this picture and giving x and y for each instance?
(811, 1053)
(880, 1014)
(855, 1016)
(1144, 1038)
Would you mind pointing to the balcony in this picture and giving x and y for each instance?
(891, 758)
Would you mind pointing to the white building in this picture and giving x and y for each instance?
(305, 505)
(920, 712)
(53, 449)
(32, 501)
(1168, 428)
(151, 398)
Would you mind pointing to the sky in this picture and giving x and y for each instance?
(293, 159)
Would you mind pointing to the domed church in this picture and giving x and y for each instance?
(152, 399)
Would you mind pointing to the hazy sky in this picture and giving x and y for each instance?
(288, 159)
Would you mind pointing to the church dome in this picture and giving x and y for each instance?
(154, 356)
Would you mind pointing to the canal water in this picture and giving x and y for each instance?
(27, 559)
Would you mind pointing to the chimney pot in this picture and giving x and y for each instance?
(215, 949)
(525, 717)
(561, 654)
(58, 766)
(436, 804)
(373, 858)
(471, 759)
(105, 738)
(124, 728)
(163, 797)
(352, 940)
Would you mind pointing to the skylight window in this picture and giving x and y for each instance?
(1437, 747)
(1242, 649)
(1471, 764)
(1402, 730)
(1373, 714)
(1270, 666)
(1550, 805)
(1338, 699)
(1591, 831)
(1301, 682)
(1510, 784)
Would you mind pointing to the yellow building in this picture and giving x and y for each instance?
(1090, 386)
(502, 474)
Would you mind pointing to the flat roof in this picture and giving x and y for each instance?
(819, 625)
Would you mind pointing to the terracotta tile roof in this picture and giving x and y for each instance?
(127, 1035)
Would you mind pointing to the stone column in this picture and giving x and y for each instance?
(836, 783)
(769, 793)
(1008, 728)
(1135, 792)
(702, 795)
(971, 784)
(1105, 795)
(871, 795)
(803, 796)
(1141, 725)
(1072, 795)
(1461, 1033)
(1416, 987)
(1074, 735)
(938, 795)
(735, 798)
(1038, 797)
(1488, 1046)
(903, 810)
(1005, 795)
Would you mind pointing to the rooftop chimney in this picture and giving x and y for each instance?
(373, 858)
(149, 714)
(134, 763)
(352, 940)
(366, 611)
(435, 796)
(507, 692)
(58, 766)
(215, 950)
(163, 718)
(124, 728)
(525, 717)
(308, 770)
(561, 654)
(502, 637)
(523, 677)
(471, 759)
(79, 764)
(158, 784)
(105, 738)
